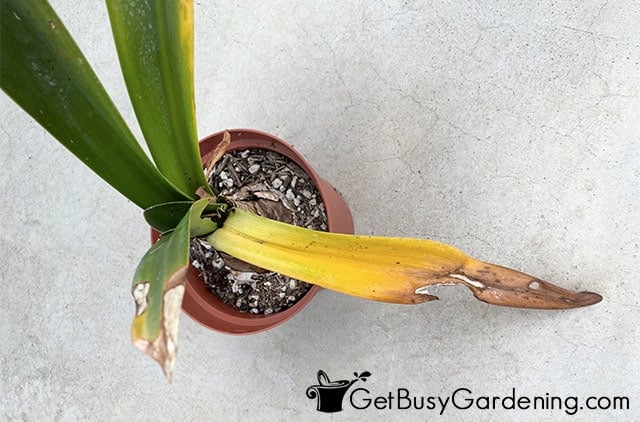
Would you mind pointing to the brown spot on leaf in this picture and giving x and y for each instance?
(140, 292)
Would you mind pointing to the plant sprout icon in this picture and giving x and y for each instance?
(330, 393)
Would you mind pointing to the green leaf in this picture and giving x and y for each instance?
(43, 70)
(165, 217)
(154, 39)
(158, 289)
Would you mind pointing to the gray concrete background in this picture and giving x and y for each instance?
(508, 130)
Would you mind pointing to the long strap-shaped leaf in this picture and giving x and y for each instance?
(43, 70)
(158, 289)
(383, 268)
(154, 39)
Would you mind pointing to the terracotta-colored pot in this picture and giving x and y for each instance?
(204, 306)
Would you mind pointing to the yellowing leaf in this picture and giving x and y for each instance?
(397, 270)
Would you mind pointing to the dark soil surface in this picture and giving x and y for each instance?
(271, 185)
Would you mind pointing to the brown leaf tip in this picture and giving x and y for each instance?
(164, 347)
(508, 287)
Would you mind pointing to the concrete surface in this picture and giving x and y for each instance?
(509, 130)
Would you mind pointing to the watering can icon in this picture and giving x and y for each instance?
(331, 393)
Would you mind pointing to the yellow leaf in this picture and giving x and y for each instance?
(397, 270)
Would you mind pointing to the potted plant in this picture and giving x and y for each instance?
(220, 298)
(43, 71)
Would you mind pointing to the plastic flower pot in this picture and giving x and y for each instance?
(206, 307)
